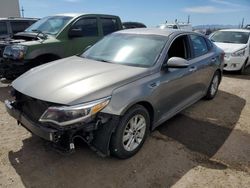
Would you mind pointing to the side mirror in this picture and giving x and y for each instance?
(75, 32)
(176, 62)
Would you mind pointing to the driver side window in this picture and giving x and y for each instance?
(88, 27)
(180, 48)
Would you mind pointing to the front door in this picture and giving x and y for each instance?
(90, 34)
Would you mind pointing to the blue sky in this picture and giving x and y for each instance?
(149, 12)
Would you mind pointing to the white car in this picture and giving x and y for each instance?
(236, 45)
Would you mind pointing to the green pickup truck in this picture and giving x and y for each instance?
(52, 38)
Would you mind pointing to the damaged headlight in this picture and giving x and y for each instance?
(15, 52)
(67, 115)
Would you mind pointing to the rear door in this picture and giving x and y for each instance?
(90, 34)
(203, 59)
(108, 25)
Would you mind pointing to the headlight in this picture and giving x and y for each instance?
(239, 53)
(67, 115)
(15, 52)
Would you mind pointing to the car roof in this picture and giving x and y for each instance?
(75, 15)
(18, 18)
(153, 31)
(236, 30)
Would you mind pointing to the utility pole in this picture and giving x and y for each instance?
(22, 10)
(188, 19)
(242, 24)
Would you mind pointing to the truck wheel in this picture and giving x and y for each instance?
(130, 133)
(214, 85)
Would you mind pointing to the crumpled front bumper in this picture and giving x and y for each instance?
(96, 134)
(43, 132)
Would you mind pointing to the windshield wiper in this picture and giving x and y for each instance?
(40, 32)
(97, 59)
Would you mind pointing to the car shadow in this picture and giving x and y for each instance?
(177, 146)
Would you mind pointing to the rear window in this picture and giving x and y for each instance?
(109, 25)
(3, 28)
(19, 26)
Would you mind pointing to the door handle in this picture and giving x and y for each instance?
(154, 84)
(213, 59)
(192, 69)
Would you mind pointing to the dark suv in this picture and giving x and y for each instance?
(11, 26)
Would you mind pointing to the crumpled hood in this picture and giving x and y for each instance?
(75, 80)
(230, 47)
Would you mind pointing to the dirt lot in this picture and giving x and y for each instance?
(207, 145)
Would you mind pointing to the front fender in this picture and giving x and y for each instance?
(126, 96)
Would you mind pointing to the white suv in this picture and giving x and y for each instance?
(236, 45)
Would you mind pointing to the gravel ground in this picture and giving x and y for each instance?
(207, 145)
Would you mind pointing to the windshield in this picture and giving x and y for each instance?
(128, 49)
(49, 25)
(230, 37)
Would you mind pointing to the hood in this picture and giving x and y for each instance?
(230, 47)
(20, 38)
(75, 80)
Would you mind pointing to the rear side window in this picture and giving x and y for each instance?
(3, 28)
(209, 44)
(19, 26)
(88, 26)
(199, 45)
(109, 25)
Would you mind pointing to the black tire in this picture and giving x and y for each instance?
(243, 68)
(212, 91)
(117, 147)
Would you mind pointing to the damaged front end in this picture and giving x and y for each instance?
(96, 129)
(12, 52)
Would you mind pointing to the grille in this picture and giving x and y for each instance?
(32, 108)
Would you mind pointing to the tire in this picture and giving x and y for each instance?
(129, 137)
(243, 68)
(213, 87)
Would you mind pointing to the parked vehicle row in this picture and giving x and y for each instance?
(11, 26)
(118, 90)
(111, 87)
(236, 45)
(52, 38)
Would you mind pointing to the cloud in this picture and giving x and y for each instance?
(72, 1)
(208, 10)
(219, 6)
(227, 3)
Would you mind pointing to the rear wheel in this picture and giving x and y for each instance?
(131, 132)
(214, 85)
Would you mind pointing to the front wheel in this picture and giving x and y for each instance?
(131, 132)
(214, 85)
